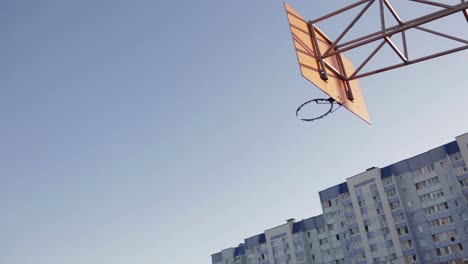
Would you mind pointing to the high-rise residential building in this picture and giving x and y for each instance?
(412, 211)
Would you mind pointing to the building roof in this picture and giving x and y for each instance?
(421, 160)
(308, 224)
(254, 241)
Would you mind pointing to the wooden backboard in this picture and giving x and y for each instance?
(309, 65)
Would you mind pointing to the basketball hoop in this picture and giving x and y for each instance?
(322, 61)
(330, 101)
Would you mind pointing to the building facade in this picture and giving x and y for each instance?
(413, 211)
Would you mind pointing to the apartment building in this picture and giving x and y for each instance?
(412, 211)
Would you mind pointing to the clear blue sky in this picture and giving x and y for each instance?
(164, 131)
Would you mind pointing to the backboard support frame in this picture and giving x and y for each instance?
(385, 34)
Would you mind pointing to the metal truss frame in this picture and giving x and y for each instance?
(384, 36)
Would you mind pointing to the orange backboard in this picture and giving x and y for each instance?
(334, 87)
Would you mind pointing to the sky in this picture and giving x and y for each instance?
(165, 131)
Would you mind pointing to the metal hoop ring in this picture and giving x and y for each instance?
(330, 101)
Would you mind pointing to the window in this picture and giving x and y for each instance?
(436, 208)
(455, 156)
(337, 201)
(441, 221)
(411, 259)
(391, 193)
(432, 195)
(345, 195)
(337, 237)
(447, 250)
(443, 163)
(376, 198)
(361, 256)
(323, 241)
(330, 215)
(308, 234)
(387, 181)
(420, 229)
(383, 223)
(452, 190)
(361, 203)
(364, 213)
(300, 258)
(410, 204)
(395, 205)
(358, 192)
(402, 230)
(427, 169)
(461, 170)
(423, 170)
(464, 183)
(354, 231)
(366, 228)
(445, 236)
(326, 204)
(422, 242)
(351, 219)
(427, 183)
(357, 244)
(407, 244)
(331, 227)
(401, 179)
(298, 247)
(464, 216)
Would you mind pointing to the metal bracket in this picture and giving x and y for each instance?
(318, 54)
